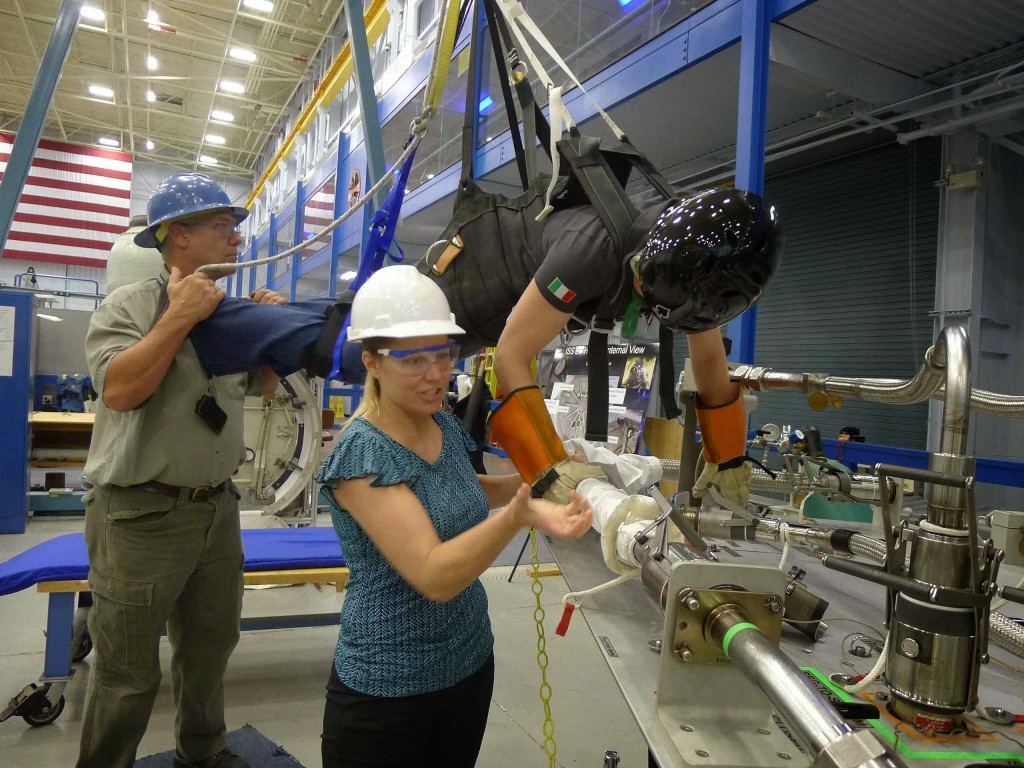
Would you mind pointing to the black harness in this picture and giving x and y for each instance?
(482, 291)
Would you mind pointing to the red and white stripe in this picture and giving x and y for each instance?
(318, 214)
(75, 203)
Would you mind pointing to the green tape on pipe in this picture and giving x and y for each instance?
(737, 628)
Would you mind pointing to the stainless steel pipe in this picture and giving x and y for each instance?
(815, 722)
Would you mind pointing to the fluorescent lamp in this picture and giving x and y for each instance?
(91, 14)
(54, 318)
(151, 18)
(150, 145)
(214, 138)
(152, 63)
(264, 6)
(224, 117)
(207, 160)
(232, 86)
(430, 176)
(242, 54)
(150, 96)
(347, 275)
(101, 91)
(106, 141)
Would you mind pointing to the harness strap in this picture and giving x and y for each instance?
(597, 396)
(667, 373)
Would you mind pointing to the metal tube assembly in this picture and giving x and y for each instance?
(816, 722)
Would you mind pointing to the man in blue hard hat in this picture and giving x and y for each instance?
(162, 524)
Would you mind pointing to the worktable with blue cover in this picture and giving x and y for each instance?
(59, 567)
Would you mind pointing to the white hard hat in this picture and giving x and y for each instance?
(398, 303)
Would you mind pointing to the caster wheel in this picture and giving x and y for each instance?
(83, 649)
(44, 717)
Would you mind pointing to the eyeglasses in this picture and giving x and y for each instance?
(416, 362)
(225, 229)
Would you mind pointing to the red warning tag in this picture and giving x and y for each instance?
(563, 625)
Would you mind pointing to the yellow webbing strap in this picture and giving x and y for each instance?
(445, 43)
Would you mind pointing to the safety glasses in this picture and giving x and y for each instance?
(416, 362)
(225, 229)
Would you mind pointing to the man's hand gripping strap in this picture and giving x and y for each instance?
(723, 429)
(522, 427)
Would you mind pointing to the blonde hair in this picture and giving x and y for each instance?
(370, 404)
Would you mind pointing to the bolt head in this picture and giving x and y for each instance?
(701, 753)
(785, 756)
(910, 648)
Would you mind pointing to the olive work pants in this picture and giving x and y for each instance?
(159, 561)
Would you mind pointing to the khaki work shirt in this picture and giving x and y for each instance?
(163, 439)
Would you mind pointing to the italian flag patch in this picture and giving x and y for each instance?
(560, 291)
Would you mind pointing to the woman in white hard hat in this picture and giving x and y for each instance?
(414, 668)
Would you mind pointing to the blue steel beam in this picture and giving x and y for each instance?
(39, 101)
(367, 98)
(750, 141)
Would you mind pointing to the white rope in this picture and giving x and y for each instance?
(784, 536)
(419, 127)
(576, 597)
(876, 671)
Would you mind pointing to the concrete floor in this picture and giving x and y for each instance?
(276, 678)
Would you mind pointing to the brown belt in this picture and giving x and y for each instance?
(195, 494)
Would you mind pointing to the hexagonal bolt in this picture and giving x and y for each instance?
(773, 604)
(701, 753)
(683, 651)
(690, 602)
(785, 756)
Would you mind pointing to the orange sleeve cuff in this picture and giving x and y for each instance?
(723, 429)
(522, 427)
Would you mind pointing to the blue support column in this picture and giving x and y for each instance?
(367, 98)
(298, 237)
(750, 140)
(32, 123)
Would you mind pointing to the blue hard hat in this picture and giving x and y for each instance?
(183, 195)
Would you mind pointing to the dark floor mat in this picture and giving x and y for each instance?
(248, 743)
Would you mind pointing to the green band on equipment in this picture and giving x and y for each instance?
(738, 628)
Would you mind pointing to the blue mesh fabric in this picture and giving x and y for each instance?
(393, 641)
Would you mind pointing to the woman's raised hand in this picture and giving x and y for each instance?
(563, 521)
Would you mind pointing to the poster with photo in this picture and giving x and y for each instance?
(631, 375)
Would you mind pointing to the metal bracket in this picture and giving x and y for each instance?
(693, 644)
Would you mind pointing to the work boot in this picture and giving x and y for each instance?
(223, 759)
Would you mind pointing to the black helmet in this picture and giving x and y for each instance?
(708, 259)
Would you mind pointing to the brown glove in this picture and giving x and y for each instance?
(570, 474)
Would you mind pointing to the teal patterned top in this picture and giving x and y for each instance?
(393, 641)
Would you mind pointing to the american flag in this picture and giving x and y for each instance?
(75, 203)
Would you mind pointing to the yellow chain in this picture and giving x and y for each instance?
(550, 748)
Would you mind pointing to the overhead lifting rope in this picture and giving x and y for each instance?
(447, 32)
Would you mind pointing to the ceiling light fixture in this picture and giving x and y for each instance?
(150, 145)
(150, 96)
(152, 63)
(242, 54)
(106, 141)
(54, 318)
(347, 275)
(207, 160)
(259, 5)
(213, 138)
(91, 14)
(152, 19)
(101, 91)
(222, 116)
(232, 86)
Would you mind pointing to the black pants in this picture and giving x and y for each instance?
(441, 728)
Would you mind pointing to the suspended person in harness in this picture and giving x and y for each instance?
(695, 264)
